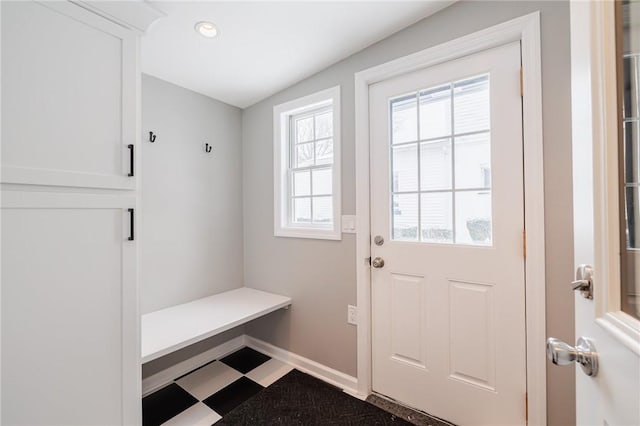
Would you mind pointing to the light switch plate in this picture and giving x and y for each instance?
(348, 224)
(352, 314)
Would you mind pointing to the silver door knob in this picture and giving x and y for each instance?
(584, 353)
(378, 262)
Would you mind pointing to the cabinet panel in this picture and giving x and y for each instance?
(69, 317)
(68, 96)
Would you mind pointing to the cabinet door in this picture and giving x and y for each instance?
(69, 94)
(70, 340)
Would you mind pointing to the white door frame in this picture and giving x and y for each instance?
(525, 29)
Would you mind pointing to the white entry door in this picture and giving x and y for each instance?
(602, 188)
(447, 222)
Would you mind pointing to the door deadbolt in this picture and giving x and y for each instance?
(378, 240)
(584, 281)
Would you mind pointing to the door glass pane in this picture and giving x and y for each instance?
(405, 217)
(473, 217)
(404, 119)
(322, 182)
(471, 105)
(301, 183)
(322, 210)
(473, 161)
(631, 93)
(405, 168)
(435, 165)
(436, 217)
(631, 146)
(452, 158)
(435, 112)
(628, 50)
(632, 213)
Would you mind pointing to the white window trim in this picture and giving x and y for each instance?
(281, 134)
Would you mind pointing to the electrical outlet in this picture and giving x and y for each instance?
(352, 314)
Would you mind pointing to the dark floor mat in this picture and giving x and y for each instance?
(299, 399)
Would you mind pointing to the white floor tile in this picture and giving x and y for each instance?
(197, 415)
(269, 372)
(208, 380)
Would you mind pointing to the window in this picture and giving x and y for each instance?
(441, 164)
(307, 167)
(628, 49)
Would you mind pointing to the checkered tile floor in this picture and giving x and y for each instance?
(205, 395)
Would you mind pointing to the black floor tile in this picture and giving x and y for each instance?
(298, 399)
(233, 395)
(164, 404)
(245, 360)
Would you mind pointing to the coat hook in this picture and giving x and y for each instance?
(152, 137)
(207, 148)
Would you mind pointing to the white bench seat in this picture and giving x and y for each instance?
(176, 327)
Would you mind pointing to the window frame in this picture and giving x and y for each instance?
(282, 150)
(606, 173)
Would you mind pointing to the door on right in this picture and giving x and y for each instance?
(447, 221)
(605, 50)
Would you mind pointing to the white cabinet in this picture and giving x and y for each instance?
(69, 93)
(70, 351)
(69, 299)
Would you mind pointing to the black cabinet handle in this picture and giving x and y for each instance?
(132, 221)
(131, 159)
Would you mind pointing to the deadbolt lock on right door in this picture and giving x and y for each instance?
(584, 281)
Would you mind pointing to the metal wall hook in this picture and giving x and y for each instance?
(207, 148)
(152, 137)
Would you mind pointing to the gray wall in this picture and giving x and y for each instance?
(191, 235)
(320, 275)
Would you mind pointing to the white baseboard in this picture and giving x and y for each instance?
(327, 374)
(164, 377)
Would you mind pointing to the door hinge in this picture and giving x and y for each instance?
(526, 407)
(521, 82)
(524, 244)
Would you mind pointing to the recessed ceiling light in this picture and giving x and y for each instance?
(206, 29)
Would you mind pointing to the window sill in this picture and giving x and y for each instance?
(310, 233)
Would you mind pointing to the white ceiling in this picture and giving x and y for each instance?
(264, 47)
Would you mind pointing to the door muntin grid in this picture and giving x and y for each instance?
(440, 162)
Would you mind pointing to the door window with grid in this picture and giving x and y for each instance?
(628, 49)
(441, 164)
